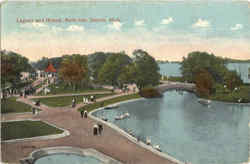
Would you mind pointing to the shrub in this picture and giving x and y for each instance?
(150, 93)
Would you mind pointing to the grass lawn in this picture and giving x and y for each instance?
(26, 129)
(10, 105)
(96, 105)
(62, 88)
(66, 100)
(226, 95)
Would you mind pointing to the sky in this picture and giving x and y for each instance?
(167, 30)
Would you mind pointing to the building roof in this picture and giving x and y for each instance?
(50, 68)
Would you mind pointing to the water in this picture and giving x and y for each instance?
(173, 69)
(63, 158)
(170, 69)
(241, 69)
(186, 129)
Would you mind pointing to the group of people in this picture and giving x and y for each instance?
(27, 91)
(14, 91)
(87, 99)
(84, 114)
(97, 128)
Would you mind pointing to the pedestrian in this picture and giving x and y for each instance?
(82, 113)
(33, 111)
(100, 128)
(73, 102)
(85, 114)
(95, 129)
(83, 100)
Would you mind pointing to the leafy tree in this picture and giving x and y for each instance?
(232, 80)
(146, 69)
(112, 68)
(204, 83)
(197, 61)
(74, 70)
(128, 74)
(12, 64)
(95, 62)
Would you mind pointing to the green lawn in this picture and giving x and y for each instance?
(26, 129)
(66, 100)
(226, 95)
(96, 105)
(61, 88)
(10, 105)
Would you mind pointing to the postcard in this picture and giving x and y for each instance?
(125, 82)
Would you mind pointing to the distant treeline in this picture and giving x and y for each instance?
(229, 60)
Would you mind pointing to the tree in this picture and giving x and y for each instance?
(232, 80)
(128, 74)
(112, 68)
(12, 64)
(74, 70)
(204, 83)
(146, 69)
(197, 61)
(95, 62)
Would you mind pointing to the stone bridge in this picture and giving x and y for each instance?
(168, 85)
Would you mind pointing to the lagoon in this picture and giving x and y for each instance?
(173, 69)
(187, 130)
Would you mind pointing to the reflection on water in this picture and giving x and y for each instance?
(187, 130)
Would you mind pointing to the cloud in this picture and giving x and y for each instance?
(237, 27)
(201, 23)
(74, 28)
(34, 25)
(167, 21)
(115, 26)
(139, 23)
(56, 29)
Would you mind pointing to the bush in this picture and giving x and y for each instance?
(150, 93)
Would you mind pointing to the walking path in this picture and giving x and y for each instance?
(110, 143)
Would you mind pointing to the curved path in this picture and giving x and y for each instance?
(110, 143)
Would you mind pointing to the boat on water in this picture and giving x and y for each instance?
(157, 147)
(204, 101)
(121, 117)
(111, 107)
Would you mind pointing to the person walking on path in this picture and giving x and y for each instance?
(95, 130)
(100, 128)
(33, 111)
(85, 114)
(82, 113)
(73, 102)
